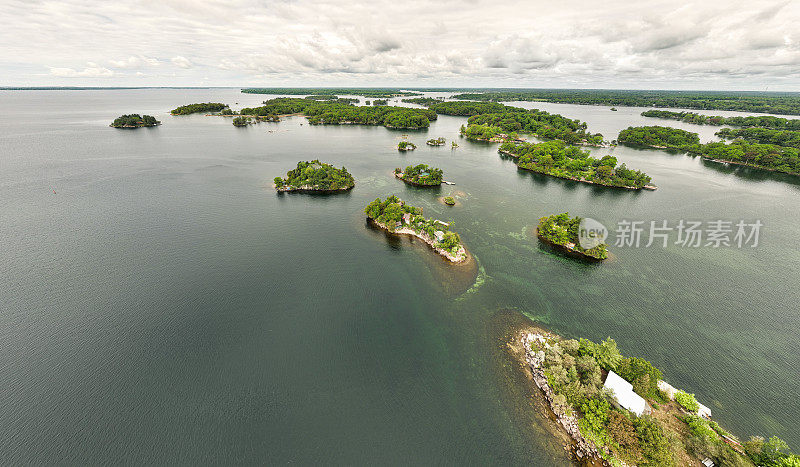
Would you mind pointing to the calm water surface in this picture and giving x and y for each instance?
(160, 303)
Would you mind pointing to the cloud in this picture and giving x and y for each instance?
(92, 71)
(615, 43)
(181, 62)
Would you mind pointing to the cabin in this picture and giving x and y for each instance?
(439, 235)
(623, 392)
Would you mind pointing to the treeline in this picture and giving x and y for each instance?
(422, 174)
(331, 97)
(134, 121)
(334, 112)
(426, 101)
(776, 103)
(662, 137)
(762, 121)
(540, 124)
(195, 108)
(467, 109)
(574, 370)
(563, 230)
(767, 156)
(558, 159)
(787, 138)
(365, 92)
(316, 175)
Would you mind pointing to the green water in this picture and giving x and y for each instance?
(164, 305)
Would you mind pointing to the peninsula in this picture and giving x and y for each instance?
(134, 121)
(557, 159)
(315, 177)
(399, 218)
(561, 231)
(420, 175)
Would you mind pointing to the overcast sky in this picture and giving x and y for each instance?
(675, 44)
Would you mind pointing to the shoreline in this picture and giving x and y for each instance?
(409, 182)
(575, 179)
(457, 259)
(311, 189)
(567, 250)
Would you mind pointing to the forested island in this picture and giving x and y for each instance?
(315, 176)
(787, 103)
(241, 121)
(406, 146)
(763, 156)
(436, 142)
(660, 137)
(134, 121)
(399, 218)
(336, 113)
(196, 108)
(786, 138)
(557, 159)
(562, 231)
(380, 102)
(762, 121)
(420, 175)
(619, 409)
(381, 93)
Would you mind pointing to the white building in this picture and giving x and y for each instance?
(626, 398)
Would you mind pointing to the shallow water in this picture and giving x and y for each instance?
(165, 305)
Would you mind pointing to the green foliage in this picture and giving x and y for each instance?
(365, 92)
(436, 142)
(787, 138)
(195, 108)
(558, 159)
(422, 174)
(763, 121)
(642, 375)
(380, 102)
(390, 213)
(466, 109)
(606, 353)
(656, 446)
(449, 200)
(538, 123)
(773, 452)
(622, 431)
(426, 101)
(317, 175)
(658, 136)
(687, 401)
(241, 121)
(595, 419)
(761, 102)
(768, 156)
(406, 146)
(134, 121)
(563, 230)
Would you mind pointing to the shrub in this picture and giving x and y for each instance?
(687, 401)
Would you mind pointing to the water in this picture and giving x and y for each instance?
(165, 305)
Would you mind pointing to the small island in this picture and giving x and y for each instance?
(658, 137)
(619, 411)
(241, 121)
(436, 142)
(557, 159)
(196, 108)
(399, 218)
(315, 177)
(406, 146)
(561, 232)
(134, 121)
(420, 175)
(449, 200)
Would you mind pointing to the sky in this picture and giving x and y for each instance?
(711, 44)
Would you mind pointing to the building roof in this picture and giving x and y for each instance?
(623, 391)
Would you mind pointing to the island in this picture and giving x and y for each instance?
(557, 159)
(762, 156)
(406, 146)
(619, 411)
(449, 200)
(436, 142)
(241, 121)
(658, 137)
(196, 108)
(315, 177)
(561, 232)
(420, 175)
(613, 109)
(382, 93)
(398, 218)
(785, 138)
(134, 121)
(380, 102)
(762, 121)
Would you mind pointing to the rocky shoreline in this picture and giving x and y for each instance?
(458, 258)
(311, 189)
(585, 451)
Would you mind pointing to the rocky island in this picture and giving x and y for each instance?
(420, 175)
(436, 142)
(619, 411)
(561, 232)
(406, 146)
(315, 177)
(399, 218)
(134, 121)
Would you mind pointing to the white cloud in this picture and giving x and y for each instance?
(92, 71)
(181, 62)
(616, 43)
